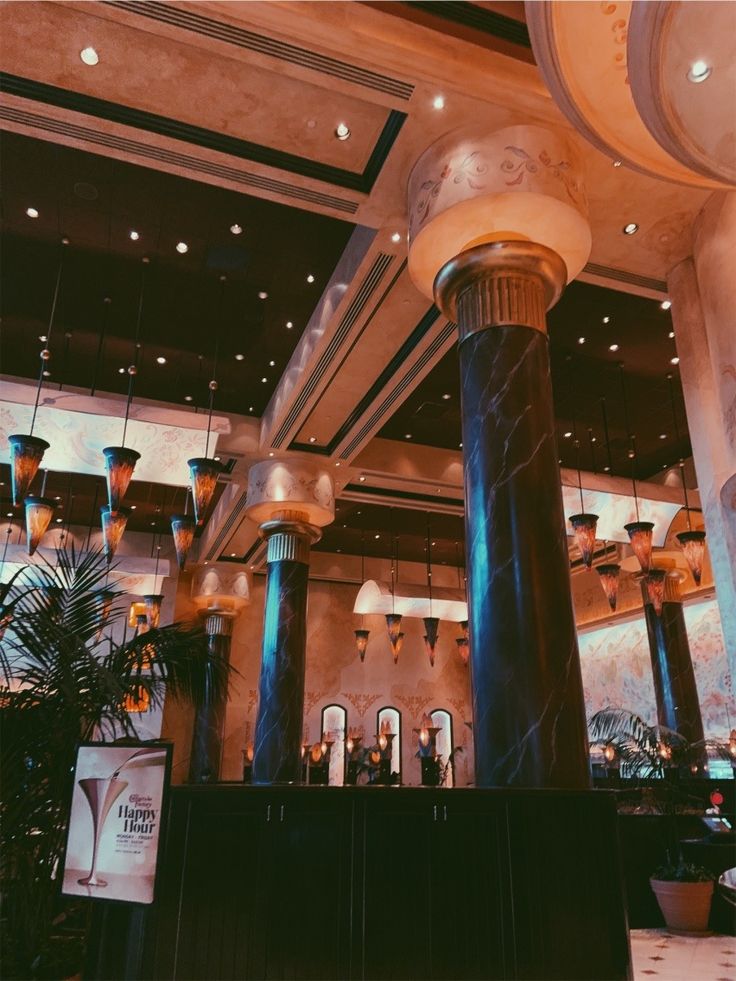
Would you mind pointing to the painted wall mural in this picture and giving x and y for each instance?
(617, 669)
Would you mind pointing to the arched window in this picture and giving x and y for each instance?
(442, 719)
(335, 726)
(390, 717)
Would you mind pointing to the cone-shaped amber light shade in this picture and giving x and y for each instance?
(153, 609)
(119, 466)
(463, 649)
(39, 511)
(431, 626)
(655, 589)
(26, 453)
(113, 526)
(640, 536)
(396, 647)
(693, 547)
(361, 642)
(584, 527)
(138, 700)
(203, 473)
(609, 574)
(105, 599)
(182, 528)
(393, 622)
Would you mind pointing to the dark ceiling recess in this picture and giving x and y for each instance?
(375, 525)
(79, 498)
(586, 378)
(276, 250)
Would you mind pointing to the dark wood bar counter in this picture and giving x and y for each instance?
(405, 883)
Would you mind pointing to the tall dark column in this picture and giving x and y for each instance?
(277, 754)
(529, 722)
(678, 706)
(209, 722)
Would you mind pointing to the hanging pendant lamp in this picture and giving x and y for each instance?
(182, 528)
(654, 582)
(153, 603)
(393, 623)
(361, 634)
(584, 525)
(39, 512)
(609, 574)
(113, 526)
(431, 623)
(396, 647)
(104, 600)
(393, 620)
(693, 548)
(27, 450)
(361, 642)
(463, 649)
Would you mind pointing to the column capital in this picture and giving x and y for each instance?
(295, 491)
(497, 283)
(289, 540)
(221, 589)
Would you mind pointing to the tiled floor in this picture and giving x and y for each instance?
(662, 956)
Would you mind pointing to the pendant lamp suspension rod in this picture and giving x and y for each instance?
(670, 381)
(631, 436)
(213, 382)
(604, 413)
(8, 533)
(101, 343)
(43, 483)
(133, 369)
(93, 515)
(591, 441)
(429, 565)
(576, 441)
(69, 506)
(362, 568)
(46, 350)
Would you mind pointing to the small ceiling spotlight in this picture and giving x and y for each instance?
(312, 439)
(699, 71)
(89, 56)
(289, 325)
(438, 102)
(663, 435)
(160, 359)
(342, 131)
(567, 435)
(32, 212)
(182, 248)
(187, 398)
(631, 228)
(361, 479)
(236, 229)
(581, 340)
(133, 235)
(671, 334)
(310, 278)
(239, 357)
(263, 295)
(613, 347)
(264, 380)
(606, 320)
(396, 237)
(376, 537)
(272, 364)
(446, 396)
(665, 304)
(674, 360)
(407, 435)
(617, 163)
(121, 371)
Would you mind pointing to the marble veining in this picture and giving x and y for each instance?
(209, 724)
(528, 709)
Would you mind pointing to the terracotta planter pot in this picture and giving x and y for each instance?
(685, 905)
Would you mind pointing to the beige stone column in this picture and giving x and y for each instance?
(703, 294)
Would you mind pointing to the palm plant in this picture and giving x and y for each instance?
(65, 680)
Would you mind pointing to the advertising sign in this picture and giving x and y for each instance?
(115, 821)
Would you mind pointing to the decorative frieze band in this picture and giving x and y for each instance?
(218, 624)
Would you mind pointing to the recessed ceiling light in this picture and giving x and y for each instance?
(342, 131)
(42, 338)
(617, 163)
(630, 228)
(361, 479)
(407, 435)
(613, 347)
(606, 320)
(59, 520)
(160, 359)
(581, 340)
(263, 295)
(396, 237)
(232, 555)
(312, 439)
(89, 56)
(699, 71)
(289, 325)
(376, 536)
(250, 408)
(438, 102)
(663, 435)
(187, 398)
(32, 212)
(9, 514)
(665, 304)
(217, 459)
(337, 464)
(567, 435)
(264, 380)
(593, 439)
(121, 371)
(182, 247)
(310, 278)
(271, 453)
(674, 360)
(133, 235)
(606, 469)
(446, 396)
(671, 334)
(460, 445)
(239, 357)
(133, 507)
(272, 364)
(236, 229)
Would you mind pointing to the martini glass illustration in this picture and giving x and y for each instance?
(101, 793)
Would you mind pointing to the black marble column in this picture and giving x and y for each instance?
(209, 721)
(278, 742)
(529, 722)
(678, 705)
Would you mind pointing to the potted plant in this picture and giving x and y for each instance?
(64, 680)
(684, 891)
